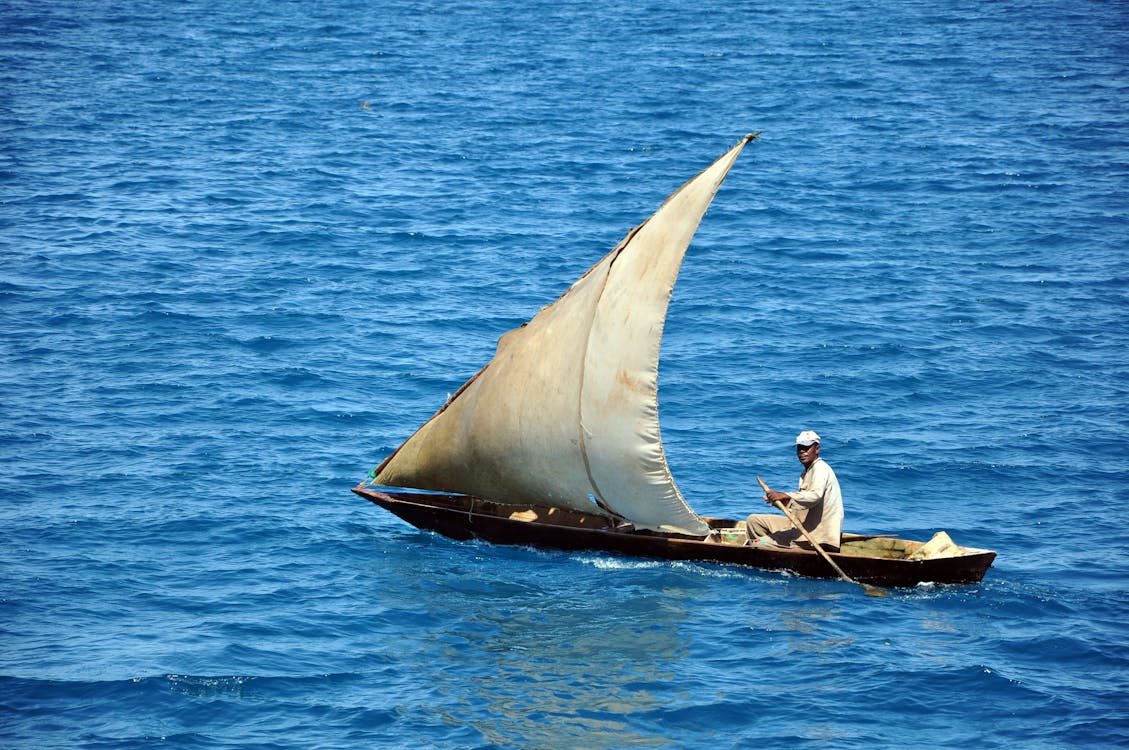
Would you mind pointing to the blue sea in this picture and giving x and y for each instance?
(247, 247)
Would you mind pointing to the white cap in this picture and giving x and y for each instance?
(807, 437)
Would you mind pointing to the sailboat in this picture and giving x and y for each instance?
(555, 442)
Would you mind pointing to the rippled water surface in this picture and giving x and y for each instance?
(248, 247)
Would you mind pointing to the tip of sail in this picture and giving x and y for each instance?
(567, 410)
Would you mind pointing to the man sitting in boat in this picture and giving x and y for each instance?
(818, 504)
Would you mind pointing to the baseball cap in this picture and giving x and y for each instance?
(807, 437)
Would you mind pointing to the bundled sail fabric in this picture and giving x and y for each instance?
(566, 413)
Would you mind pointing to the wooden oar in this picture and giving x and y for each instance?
(867, 588)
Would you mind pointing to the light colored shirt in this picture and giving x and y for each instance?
(820, 503)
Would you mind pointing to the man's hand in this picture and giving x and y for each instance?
(772, 497)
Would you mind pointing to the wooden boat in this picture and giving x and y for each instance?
(878, 560)
(556, 442)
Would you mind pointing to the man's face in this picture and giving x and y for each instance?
(807, 453)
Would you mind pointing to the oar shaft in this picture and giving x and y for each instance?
(812, 542)
(866, 587)
(800, 527)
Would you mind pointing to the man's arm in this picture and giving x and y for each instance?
(820, 476)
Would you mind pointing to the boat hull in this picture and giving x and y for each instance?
(464, 517)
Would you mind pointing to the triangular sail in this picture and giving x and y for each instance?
(566, 413)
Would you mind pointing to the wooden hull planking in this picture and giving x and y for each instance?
(464, 517)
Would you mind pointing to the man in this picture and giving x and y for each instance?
(818, 504)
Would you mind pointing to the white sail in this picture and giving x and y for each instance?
(566, 413)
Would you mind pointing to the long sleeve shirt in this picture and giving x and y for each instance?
(820, 503)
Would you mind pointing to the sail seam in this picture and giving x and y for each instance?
(597, 495)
